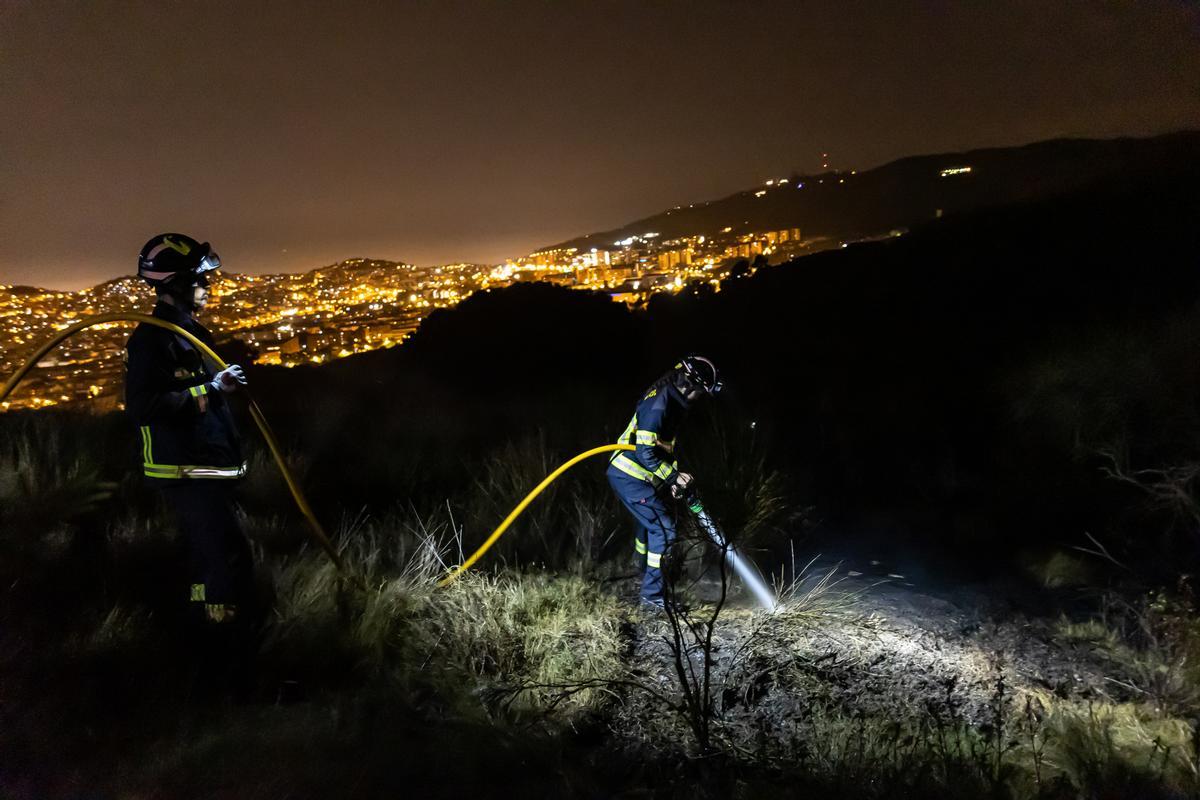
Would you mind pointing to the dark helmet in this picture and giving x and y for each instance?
(171, 257)
(697, 372)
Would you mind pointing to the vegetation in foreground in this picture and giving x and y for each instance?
(541, 677)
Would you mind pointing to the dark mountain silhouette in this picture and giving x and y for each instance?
(903, 193)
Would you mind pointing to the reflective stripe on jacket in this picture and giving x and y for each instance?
(187, 429)
(652, 430)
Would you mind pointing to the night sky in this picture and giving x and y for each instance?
(294, 135)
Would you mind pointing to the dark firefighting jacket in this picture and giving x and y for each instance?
(653, 429)
(186, 426)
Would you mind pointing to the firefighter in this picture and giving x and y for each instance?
(642, 478)
(190, 446)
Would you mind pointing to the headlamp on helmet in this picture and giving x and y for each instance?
(697, 372)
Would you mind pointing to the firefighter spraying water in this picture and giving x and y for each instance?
(648, 477)
(645, 476)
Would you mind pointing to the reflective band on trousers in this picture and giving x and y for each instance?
(198, 592)
(640, 546)
(636, 470)
(653, 560)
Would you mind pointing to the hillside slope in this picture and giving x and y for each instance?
(906, 192)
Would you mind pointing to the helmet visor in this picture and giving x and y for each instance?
(209, 261)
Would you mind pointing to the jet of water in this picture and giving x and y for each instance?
(743, 567)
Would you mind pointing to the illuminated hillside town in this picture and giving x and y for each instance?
(360, 304)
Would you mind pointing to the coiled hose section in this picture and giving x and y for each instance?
(315, 530)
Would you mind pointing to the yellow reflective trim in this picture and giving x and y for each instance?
(626, 436)
(632, 468)
(640, 546)
(146, 444)
(198, 592)
(646, 437)
(664, 471)
(183, 248)
(654, 560)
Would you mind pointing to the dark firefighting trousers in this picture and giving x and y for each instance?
(222, 589)
(655, 528)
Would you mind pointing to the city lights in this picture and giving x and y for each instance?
(352, 307)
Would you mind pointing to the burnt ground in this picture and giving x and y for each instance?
(875, 644)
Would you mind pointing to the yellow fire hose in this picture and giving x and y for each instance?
(318, 533)
(516, 512)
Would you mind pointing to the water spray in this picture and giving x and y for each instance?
(743, 567)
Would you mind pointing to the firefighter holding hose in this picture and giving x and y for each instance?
(189, 444)
(642, 477)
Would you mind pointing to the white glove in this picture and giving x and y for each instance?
(229, 379)
(679, 487)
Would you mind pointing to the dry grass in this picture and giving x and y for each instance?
(1153, 643)
(45, 483)
(483, 630)
(813, 595)
(1123, 750)
(538, 631)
